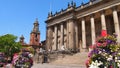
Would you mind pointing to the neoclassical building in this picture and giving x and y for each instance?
(78, 27)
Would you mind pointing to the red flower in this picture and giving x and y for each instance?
(103, 33)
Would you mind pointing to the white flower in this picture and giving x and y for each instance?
(118, 64)
(95, 64)
(105, 67)
(116, 58)
(119, 61)
(118, 53)
(109, 58)
(30, 55)
(100, 52)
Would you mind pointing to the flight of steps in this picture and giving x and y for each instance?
(76, 59)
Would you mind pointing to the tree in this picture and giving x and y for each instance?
(8, 44)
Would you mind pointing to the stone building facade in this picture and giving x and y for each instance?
(78, 27)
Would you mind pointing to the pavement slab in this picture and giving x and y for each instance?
(44, 65)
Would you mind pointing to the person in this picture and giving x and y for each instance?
(45, 57)
(49, 50)
(63, 50)
(62, 47)
(37, 55)
(41, 50)
(48, 55)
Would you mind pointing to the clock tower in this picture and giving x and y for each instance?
(35, 34)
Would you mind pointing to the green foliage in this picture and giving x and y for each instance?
(8, 44)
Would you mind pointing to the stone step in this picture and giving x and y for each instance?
(78, 59)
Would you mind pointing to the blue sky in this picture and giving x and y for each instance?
(17, 16)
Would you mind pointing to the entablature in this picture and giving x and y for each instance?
(97, 8)
(60, 19)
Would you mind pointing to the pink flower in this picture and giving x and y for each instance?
(98, 44)
(105, 44)
(89, 54)
(111, 66)
(15, 58)
(87, 62)
(92, 46)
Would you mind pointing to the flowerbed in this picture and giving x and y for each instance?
(2, 60)
(105, 53)
(23, 60)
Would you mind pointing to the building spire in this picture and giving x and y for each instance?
(68, 5)
(36, 26)
(50, 14)
(72, 3)
(50, 7)
(50, 11)
(22, 39)
(36, 19)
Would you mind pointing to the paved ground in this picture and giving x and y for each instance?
(56, 66)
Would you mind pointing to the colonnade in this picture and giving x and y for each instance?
(72, 31)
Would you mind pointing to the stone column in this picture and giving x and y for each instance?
(92, 29)
(103, 23)
(72, 34)
(62, 33)
(67, 35)
(49, 37)
(83, 34)
(76, 35)
(55, 38)
(116, 23)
